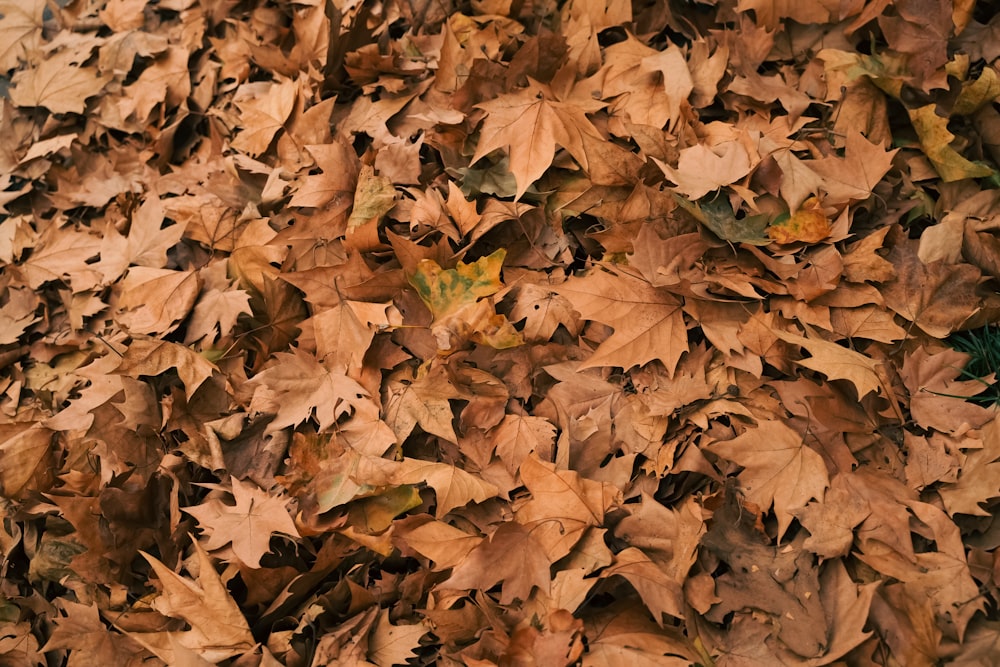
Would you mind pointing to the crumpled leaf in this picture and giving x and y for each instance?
(718, 216)
(218, 629)
(935, 141)
(809, 224)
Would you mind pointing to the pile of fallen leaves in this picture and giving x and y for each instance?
(499, 332)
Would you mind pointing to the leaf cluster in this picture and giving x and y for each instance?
(498, 332)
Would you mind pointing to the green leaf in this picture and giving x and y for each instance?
(446, 290)
(374, 197)
(718, 216)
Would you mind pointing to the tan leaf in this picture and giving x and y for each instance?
(562, 506)
(453, 487)
(648, 322)
(247, 525)
(937, 297)
(389, 644)
(297, 387)
(518, 436)
(218, 629)
(27, 455)
(660, 593)
(529, 127)
(422, 397)
(778, 468)
(854, 176)
(155, 301)
(20, 30)
(153, 357)
(264, 108)
(978, 478)
(442, 543)
(702, 169)
(837, 362)
(490, 563)
(334, 187)
(56, 83)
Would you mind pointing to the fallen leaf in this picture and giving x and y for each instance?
(809, 224)
(393, 644)
(152, 358)
(248, 525)
(490, 563)
(56, 83)
(297, 387)
(837, 362)
(935, 141)
(529, 127)
(218, 629)
(778, 469)
(648, 322)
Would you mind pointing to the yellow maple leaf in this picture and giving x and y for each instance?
(807, 225)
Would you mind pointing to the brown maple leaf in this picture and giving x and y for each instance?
(648, 322)
(248, 525)
(778, 468)
(490, 563)
(530, 126)
(297, 386)
(57, 83)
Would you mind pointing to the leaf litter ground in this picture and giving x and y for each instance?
(499, 333)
